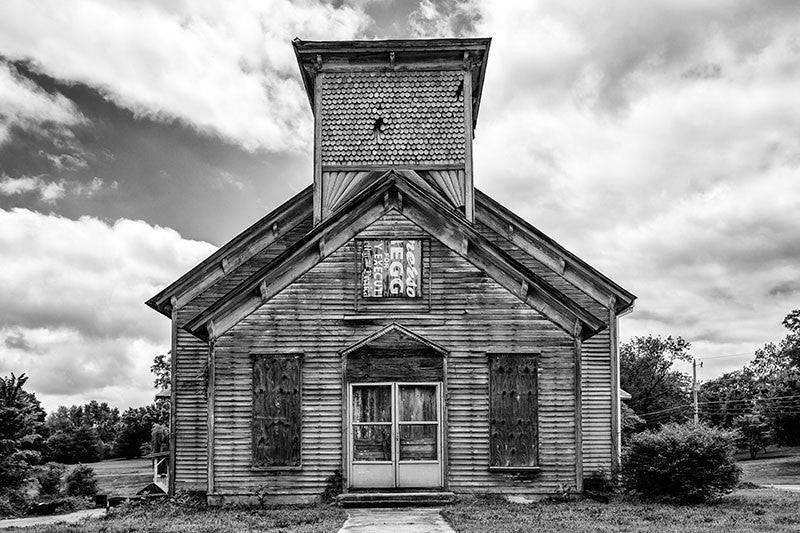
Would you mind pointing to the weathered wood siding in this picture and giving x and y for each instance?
(595, 362)
(471, 315)
(191, 368)
(596, 408)
(190, 410)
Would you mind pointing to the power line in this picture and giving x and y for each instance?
(725, 356)
(778, 403)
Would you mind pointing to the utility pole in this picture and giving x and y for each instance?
(694, 390)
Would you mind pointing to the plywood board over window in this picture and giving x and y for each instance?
(514, 412)
(276, 410)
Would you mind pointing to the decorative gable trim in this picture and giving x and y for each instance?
(238, 250)
(391, 328)
(393, 191)
(548, 252)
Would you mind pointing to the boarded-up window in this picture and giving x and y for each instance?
(513, 405)
(276, 411)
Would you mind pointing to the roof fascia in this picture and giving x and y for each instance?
(465, 240)
(237, 251)
(311, 55)
(547, 251)
(428, 212)
(296, 260)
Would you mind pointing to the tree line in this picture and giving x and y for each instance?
(75, 434)
(761, 400)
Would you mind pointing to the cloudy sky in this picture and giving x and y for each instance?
(659, 140)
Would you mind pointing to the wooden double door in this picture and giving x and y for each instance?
(395, 432)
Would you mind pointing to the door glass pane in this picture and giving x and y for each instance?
(372, 404)
(372, 443)
(418, 442)
(418, 403)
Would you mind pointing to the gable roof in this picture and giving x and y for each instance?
(235, 252)
(537, 244)
(400, 191)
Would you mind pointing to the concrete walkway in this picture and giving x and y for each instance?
(403, 520)
(792, 488)
(69, 518)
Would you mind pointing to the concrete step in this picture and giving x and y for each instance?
(395, 499)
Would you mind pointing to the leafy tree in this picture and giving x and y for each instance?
(646, 372)
(21, 427)
(755, 433)
(81, 481)
(102, 418)
(791, 344)
(162, 370)
(631, 422)
(81, 433)
(732, 394)
(135, 428)
(769, 387)
(49, 478)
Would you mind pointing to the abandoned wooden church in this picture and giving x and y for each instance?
(391, 322)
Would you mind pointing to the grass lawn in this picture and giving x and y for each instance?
(761, 510)
(171, 518)
(780, 466)
(120, 477)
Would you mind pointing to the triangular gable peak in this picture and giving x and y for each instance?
(391, 340)
(398, 192)
(264, 233)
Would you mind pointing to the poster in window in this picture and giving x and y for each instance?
(391, 268)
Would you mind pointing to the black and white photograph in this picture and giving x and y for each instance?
(399, 266)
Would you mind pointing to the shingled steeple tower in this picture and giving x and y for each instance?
(403, 105)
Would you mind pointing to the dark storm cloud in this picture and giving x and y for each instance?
(785, 288)
(16, 341)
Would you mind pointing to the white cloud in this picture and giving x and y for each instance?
(662, 144)
(24, 104)
(72, 296)
(225, 68)
(51, 191)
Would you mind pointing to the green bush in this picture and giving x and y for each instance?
(681, 462)
(81, 481)
(49, 478)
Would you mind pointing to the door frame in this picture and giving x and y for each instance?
(395, 433)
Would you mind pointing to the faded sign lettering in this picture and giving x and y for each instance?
(391, 268)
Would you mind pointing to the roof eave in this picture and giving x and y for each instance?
(622, 298)
(205, 323)
(433, 47)
(162, 302)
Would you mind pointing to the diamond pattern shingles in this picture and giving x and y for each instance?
(392, 118)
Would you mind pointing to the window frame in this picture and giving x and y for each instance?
(256, 357)
(529, 469)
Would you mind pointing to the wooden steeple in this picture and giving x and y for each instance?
(407, 105)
